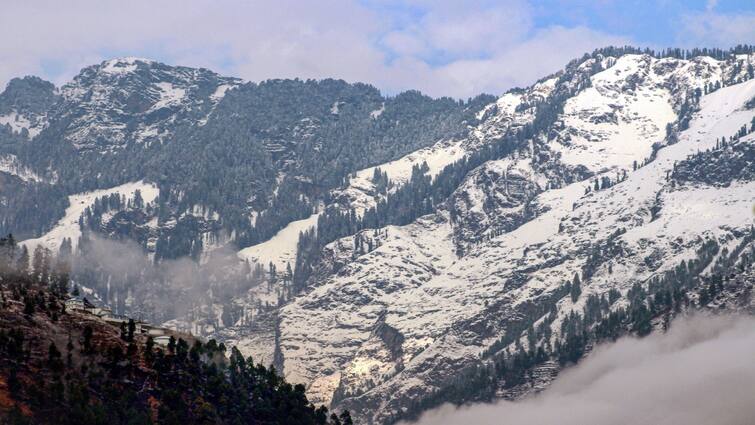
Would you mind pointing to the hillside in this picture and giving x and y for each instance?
(62, 365)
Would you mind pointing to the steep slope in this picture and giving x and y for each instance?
(380, 330)
(68, 226)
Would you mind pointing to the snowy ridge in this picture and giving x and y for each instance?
(123, 65)
(68, 226)
(511, 111)
(624, 122)
(627, 109)
(130, 100)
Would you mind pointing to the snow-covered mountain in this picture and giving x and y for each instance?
(377, 331)
(406, 251)
(24, 106)
(134, 100)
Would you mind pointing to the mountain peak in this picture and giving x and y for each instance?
(25, 103)
(123, 64)
(29, 81)
(27, 92)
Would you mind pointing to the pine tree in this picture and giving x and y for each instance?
(576, 288)
(54, 356)
(65, 252)
(124, 331)
(22, 263)
(38, 262)
(44, 275)
(346, 418)
(131, 329)
(7, 253)
(138, 200)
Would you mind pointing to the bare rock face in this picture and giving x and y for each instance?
(494, 199)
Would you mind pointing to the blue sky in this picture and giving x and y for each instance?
(442, 47)
(653, 23)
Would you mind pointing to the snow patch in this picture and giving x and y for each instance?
(378, 112)
(68, 226)
(361, 193)
(281, 248)
(123, 65)
(220, 92)
(9, 164)
(18, 122)
(169, 96)
(437, 157)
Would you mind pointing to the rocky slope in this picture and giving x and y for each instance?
(380, 330)
(136, 101)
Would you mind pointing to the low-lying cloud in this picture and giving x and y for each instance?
(163, 291)
(701, 372)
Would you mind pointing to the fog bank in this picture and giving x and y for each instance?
(702, 371)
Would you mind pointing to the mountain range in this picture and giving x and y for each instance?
(396, 252)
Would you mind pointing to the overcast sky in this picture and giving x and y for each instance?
(442, 47)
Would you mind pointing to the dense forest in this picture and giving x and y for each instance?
(271, 150)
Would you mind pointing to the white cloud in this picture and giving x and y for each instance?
(469, 29)
(701, 372)
(521, 64)
(448, 48)
(266, 36)
(711, 29)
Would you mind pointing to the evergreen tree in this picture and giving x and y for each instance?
(22, 263)
(131, 329)
(38, 263)
(576, 288)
